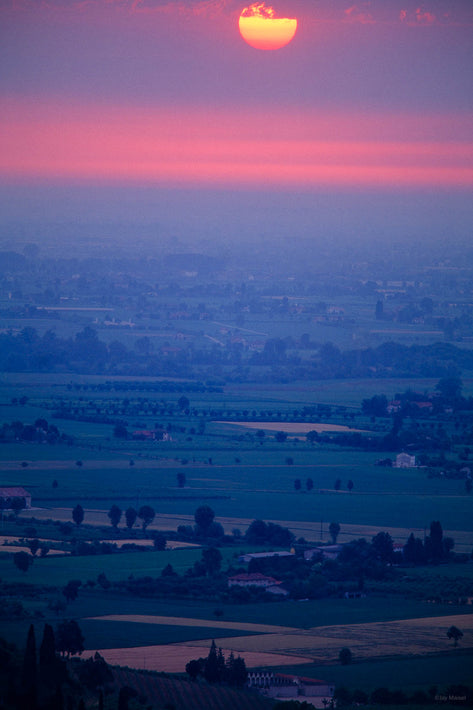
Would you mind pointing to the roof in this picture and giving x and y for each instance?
(272, 553)
(253, 577)
(13, 492)
(301, 679)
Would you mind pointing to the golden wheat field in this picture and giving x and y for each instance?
(184, 621)
(292, 427)
(273, 645)
(173, 658)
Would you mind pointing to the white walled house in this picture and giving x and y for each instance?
(405, 461)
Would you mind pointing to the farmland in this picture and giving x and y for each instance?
(232, 469)
(273, 406)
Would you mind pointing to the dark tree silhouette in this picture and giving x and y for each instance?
(195, 668)
(309, 484)
(71, 590)
(455, 634)
(115, 514)
(47, 657)
(146, 514)
(17, 504)
(382, 546)
(204, 517)
(120, 431)
(33, 545)
(297, 484)
(22, 560)
(211, 671)
(183, 402)
(235, 671)
(78, 514)
(159, 541)
(434, 542)
(69, 638)
(29, 671)
(345, 656)
(334, 530)
(130, 516)
(212, 559)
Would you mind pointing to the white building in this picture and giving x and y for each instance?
(405, 461)
(285, 687)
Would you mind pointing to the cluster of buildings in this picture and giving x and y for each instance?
(290, 687)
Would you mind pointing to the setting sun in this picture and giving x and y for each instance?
(261, 29)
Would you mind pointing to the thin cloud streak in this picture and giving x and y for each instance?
(190, 148)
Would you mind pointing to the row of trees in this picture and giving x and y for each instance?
(383, 696)
(39, 432)
(145, 513)
(87, 353)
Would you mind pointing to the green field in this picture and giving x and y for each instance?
(242, 477)
(406, 674)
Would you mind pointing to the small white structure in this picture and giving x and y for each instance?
(405, 461)
(8, 493)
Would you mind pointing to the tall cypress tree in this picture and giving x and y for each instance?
(47, 656)
(29, 671)
(220, 665)
(211, 671)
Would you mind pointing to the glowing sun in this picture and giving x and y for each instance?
(261, 29)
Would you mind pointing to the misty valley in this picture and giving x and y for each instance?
(234, 475)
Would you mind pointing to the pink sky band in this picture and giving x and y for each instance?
(112, 143)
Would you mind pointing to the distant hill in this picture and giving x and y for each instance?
(183, 694)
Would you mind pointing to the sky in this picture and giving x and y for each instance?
(142, 110)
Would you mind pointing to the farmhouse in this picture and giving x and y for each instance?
(151, 435)
(282, 686)
(256, 579)
(9, 493)
(405, 461)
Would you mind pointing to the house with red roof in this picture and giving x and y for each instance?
(256, 579)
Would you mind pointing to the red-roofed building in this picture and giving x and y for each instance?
(256, 579)
(253, 579)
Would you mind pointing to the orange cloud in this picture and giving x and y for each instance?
(301, 151)
(426, 18)
(355, 14)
